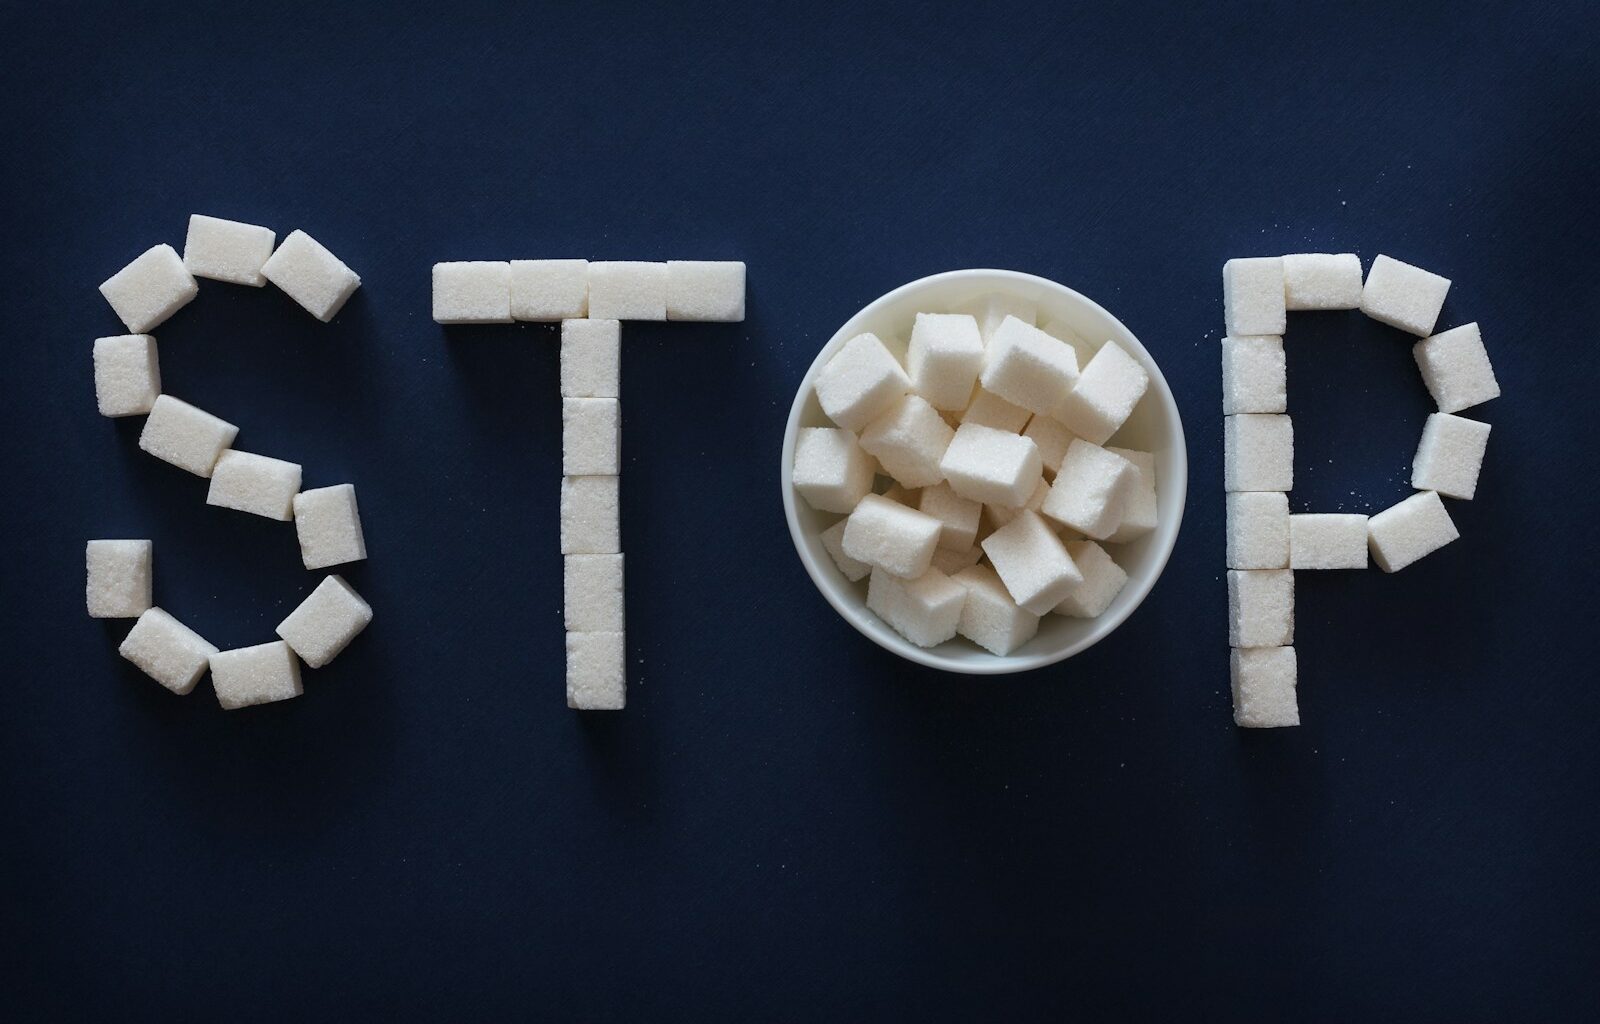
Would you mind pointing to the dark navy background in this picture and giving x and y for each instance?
(787, 823)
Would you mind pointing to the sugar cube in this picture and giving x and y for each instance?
(944, 358)
(591, 437)
(988, 409)
(592, 588)
(226, 250)
(1456, 368)
(1253, 296)
(1254, 375)
(1000, 515)
(958, 516)
(905, 496)
(991, 311)
(1092, 491)
(185, 436)
(1103, 580)
(925, 610)
(255, 484)
(908, 440)
(628, 290)
(1403, 296)
(1258, 452)
(325, 622)
(127, 374)
(329, 526)
(1263, 682)
(859, 382)
(705, 290)
(255, 675)
(1111, 384)
(1051, 438)
(1142, 513)
(889, 536)
(851, 569)
(596, 671)
(118, 578)
(1258, 530)
(1449, 456)
(1408, 530)
(1028, 367)
(472, 292)
(990, 618)
(167, 651)
(150, 289)
(1031, 560)
(1327, 541)
(1260, 607)
(950, 561)
(549, 289)
(591, 358)
(992, 466)
(591, 514)
(311, 275)
(1321, 280)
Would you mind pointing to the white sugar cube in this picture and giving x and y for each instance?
(226, 250)
(1408, 530)
(710, 291)
(118, 578)
(597, 671)
(255, 675)
(1258, 452)
(1032, 562)
(889, 536)
(167, 651)
(1111, 384)
(311, 275)
(944, 358)
(1141, 514)
(831, 472)
(950, 561)
(1028, 367)
(990, 617)
(591, 515)
(591, 437)
(255, 484)
(628, 290)
(859, 382)
(591, 358)
(1258, 530)
(991, 311)
(127, 374)
(592, 590)
(1253, 296)
(1254, 375)
(1327, 541)
(991, 466)
(1260, 607)
(1000, 515)
(328, 524)
(852, 569)
(958, 517)
(150, 289)
(1092, 491)
(325, 622)
(1456, 368)
(549, 290)
(908, 440)
(1263, 682)
(924, 610)
(185, 436)
(1403, 296)
(1450, 455)
(988, 409)
(1051, 438)
(1103, 580)
(1322, 280)
(472, 292)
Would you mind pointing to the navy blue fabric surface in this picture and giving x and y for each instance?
(788, 823)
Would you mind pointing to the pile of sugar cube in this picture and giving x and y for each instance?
(976, 484)
(1265, 543)
(590, 299)
(127, 378)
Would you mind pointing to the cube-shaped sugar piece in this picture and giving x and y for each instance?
(1403, 296)
(1032, 562)
(150, 289)
(472, 292)
(549, 290)
(591, 358)
(991, 310)
(710, 291)
(1028, 367)
(859, 382)
(988, 409)
(1107, 390)
(597, 671)
(889, 536)
(1257, 452)
(1449, 456)
(1141, 514)
(1000, 515)
(311, 275)
(908, 440)
(1092, 490)
(1258, 530)
(185, 436)
(905, 496)
(1254, 375)
(958, 517)
(226, 250)
(127, 374)
(1263, 682)
(1253, 297)
(261, 674)
(591, 437)
(118, 578)
(1322, 280)
(991, 466)
(627, 290)
(950, 561)
(1052, 439)
(944, 358)
(1327, 541)
(167, 651)
(1456, 368)
(1260, 607)
(255, 484)
(925, 610)
(851, 569)
(592, 593)
(591, 515)
(1103, 580)
(326, 621)
(329, 526)
(1408, 530)
(990, 617)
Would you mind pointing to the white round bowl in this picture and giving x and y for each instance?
(1154, 427)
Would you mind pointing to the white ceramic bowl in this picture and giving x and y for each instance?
(1154, 427)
